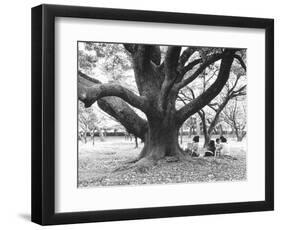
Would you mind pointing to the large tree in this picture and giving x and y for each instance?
(159, 77)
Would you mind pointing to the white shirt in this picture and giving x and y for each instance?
(224, 149)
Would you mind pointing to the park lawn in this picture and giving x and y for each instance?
(97, 164)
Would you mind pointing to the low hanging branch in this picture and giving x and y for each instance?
(90, 95)
(118, 109)
(123, 113)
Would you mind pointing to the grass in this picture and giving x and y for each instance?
(96, 165)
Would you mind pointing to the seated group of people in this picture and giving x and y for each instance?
(213, 148)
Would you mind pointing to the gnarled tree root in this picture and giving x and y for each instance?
(141, 165)
(146, 161)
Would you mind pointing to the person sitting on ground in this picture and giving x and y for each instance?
(224, 147)
(195, 147)
(211, 149)
(218, 147)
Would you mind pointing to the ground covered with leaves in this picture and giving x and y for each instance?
(97, 166)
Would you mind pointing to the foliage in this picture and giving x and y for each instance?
(111, 59)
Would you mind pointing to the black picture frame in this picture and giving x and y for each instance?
(43, 114)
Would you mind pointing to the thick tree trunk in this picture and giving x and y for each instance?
(161, 141)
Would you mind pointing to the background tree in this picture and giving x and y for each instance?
(235, 116)
(160, 73)
(210, 114)
(91, 122)
(191, 124)
(86, 121)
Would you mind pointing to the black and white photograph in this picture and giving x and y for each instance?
(160, 114)
(140, 114)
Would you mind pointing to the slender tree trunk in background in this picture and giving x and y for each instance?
(198, 126)
(93, 137)
(221, 130)
(239, 138)
(208, 131)
(136, 142)
(101, 135)
(240, 135)
(190, 132)
(233, 132)
(243, 134)
(181, 135)
(85, 137)
(215, 131)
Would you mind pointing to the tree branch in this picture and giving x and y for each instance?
(186, 54)
(131, 48)
(156, 55)
(212, 107)
(206, 97)
(170, 68)
(171, 60)
(234, 85)
(209, 61)
(143, 55)
(182, 100)
(89, 95)
(215, 120)
(242, 63)
(239, 92)
(187, 68)
(118, 109)
(124, 114)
